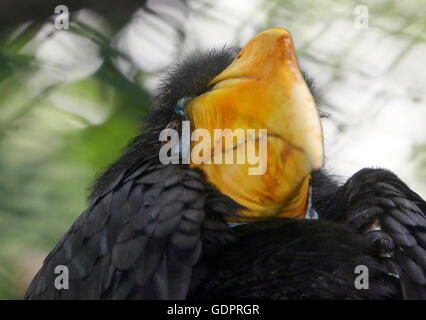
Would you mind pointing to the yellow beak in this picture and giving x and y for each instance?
(263, 88)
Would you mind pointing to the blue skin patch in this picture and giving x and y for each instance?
(180, 108)
(310, 211)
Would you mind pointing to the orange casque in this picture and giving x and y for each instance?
(263, 88)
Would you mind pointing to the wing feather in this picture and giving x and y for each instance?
(140, 239)
(377, 194)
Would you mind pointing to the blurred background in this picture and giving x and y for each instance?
(70, 99)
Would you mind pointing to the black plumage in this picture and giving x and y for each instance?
(381, 207)
(296, 259)
(154, 231)
(373, 219)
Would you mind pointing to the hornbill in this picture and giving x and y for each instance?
(206, 229)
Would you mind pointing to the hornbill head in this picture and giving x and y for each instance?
(258, 87)
(263, 88)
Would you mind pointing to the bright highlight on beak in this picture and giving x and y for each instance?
(270, 59)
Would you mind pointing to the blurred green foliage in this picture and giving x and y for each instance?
(49, 155)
